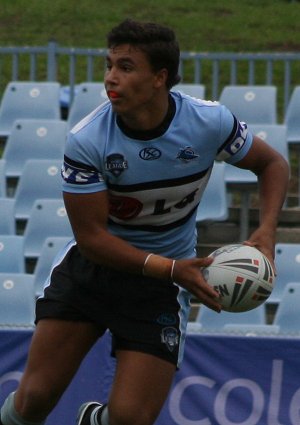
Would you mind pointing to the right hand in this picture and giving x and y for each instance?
(187, 273)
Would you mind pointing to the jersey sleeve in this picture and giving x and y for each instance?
(79, 171)
(238, 141)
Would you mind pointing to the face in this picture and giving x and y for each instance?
(130, 82)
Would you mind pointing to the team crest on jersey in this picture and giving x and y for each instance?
(187, 154)
(116, 164)
(169, 336)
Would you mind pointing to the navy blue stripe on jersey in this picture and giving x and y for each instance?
(156, 184)
(231, 135)
(74, 172)
(156, 228)
(78, 165)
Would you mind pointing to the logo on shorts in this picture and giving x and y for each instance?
(169, 336)
(166, 319)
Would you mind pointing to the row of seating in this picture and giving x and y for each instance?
(254, 322)
(253, 104)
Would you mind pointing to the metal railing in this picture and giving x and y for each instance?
(70, 66)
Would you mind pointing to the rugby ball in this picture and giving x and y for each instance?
(242, 275)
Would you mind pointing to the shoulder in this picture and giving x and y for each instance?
(88, 121)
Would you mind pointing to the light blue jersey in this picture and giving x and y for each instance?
(156, 184)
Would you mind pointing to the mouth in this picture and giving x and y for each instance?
(113, 94)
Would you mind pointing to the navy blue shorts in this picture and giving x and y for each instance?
(142, 313)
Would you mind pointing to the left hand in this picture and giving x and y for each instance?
(264, 240)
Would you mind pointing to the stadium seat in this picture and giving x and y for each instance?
(287, 262)
(252, 104)
(7, 216)
(12, 254)
(273, 134)
(214, 203)
(212, 321)
(287, 316)
(17, 299)
(33, 139)
(88, 97)
(48, 217)
(46, 174)
(28, 99)
(194, 90)
(50, 249)
(3, 193)
(292, 117)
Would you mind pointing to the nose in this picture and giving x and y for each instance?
(110, 76)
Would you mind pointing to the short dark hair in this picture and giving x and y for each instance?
(157, 41)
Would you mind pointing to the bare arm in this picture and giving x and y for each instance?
(88, 215)
(273, 177)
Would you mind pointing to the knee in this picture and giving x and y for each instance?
(34, 403)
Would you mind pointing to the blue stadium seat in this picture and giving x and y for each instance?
(28, 99)
(7, 216)
(17, 299)
(194, 90)
(50, 249)
(273, 134)
(46, 174)
(287, 262)
(287, 316)
(3, 193)
(292, 117)
(214, 202)
(212, 321)
(33, 139)
(12, 254)
(252, 104)
(88, 97)
(48, 217)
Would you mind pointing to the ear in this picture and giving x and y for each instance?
(161, 78)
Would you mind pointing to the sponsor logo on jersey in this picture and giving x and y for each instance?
(116, 164)
(187, 154)
(150, 154)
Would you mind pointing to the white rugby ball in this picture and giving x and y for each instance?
(242, 275)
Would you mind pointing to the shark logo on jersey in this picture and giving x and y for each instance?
(187, 154)
(116, 164)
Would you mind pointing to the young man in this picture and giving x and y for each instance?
(133, 175)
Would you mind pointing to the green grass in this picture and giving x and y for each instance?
(201, 25)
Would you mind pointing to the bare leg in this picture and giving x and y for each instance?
(56, 351)
(140, 388)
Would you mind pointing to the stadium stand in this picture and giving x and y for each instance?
(292, 117)
(47, 217)
(2, 178)
(28, 99)
(287, 260)
(44, 171)
(7, 216)
(194, 90)
(287, 316)
(33, 139)
(12, 254)
(252, 104)
(17, 299)
(88, 97)
(50, 248)
(214, 204)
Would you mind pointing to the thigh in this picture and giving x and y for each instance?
(141, 386)
(57, 349)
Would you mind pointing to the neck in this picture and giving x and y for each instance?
(148, 117)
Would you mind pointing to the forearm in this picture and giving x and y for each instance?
(273, 185)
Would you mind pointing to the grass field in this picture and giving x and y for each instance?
(201, 25)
